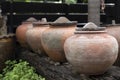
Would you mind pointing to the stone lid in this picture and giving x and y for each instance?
(63, 21)
(43, 21)
(90, 28)
(29, 20)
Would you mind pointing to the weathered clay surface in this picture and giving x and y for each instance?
(33, 37)
(53, 40)
(115, 31)
(21, 31)
(7, 49)
(91, 52)
(54, 37)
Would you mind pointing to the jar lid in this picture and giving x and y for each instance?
(30, 20)
(43, 21)
(111, 25)
(63, 21)
(7, 36)
(90, 28)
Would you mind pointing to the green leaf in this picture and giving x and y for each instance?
(19, 71)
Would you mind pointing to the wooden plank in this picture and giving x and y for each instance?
(23, 7)
(78, 8)
(76, 12)
(5, 6)
(117, 11)
(110, 1)
(83, 7)
(17, 19)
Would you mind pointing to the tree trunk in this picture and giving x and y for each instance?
(94, 11)
(62, 71)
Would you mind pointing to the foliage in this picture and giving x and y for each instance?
(29, 0)
(19, 0)
(19, 71)
(70, 1)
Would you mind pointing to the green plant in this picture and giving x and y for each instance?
(19, 71)
(70, 1)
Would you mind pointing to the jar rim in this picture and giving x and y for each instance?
(108, 25)
(89, 32)
(64, 24)
(90, 29)
(40, 23)
(7, 36)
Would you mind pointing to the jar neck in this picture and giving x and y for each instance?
(111, 25)
(73, 23)
(38, 24)
(27, 22)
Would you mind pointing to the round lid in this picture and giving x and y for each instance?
(90, 28)
(63, 21)
(43, 21)
(29, 20)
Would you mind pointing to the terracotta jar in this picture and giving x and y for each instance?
(21, 31)
(54, 37)
(7, 51)
(114, 30)
(33, 36)
(91, 50)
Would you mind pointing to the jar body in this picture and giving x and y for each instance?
(33, 37)
(115, 31)
(7, 50)
(21, 34)
(53, 40)
(91, 54)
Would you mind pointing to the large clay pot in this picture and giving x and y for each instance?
(114, 30)
(21, 32)
(91, 50)
(33, 36)
(6, 49)
(54, 37)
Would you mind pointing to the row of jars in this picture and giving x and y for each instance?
(90, 50)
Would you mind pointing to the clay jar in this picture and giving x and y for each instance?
(7, 47)
(21, 31)
(33, 36)
(54, 37)
(91, 50)
(114, 30)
